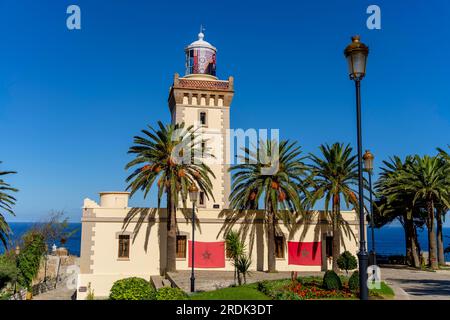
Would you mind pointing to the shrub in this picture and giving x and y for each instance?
(347, 261)
(353, 282)
(29, 259)
(331, 281)
(8, 270)
(168, 293)
(132, 289)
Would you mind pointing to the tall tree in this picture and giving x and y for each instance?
(333, 175)
(7, 201)
(441, 211)
(168, 156)
(426, 179)
(394, 203)
(253, 182)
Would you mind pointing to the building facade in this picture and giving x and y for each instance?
(119, 241)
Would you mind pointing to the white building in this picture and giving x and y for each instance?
(119, 241)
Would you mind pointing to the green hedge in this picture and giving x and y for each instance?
(353, 282)
(168, 293)
(331, 281)
(133, 288)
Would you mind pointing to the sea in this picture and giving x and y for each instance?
(389, 240)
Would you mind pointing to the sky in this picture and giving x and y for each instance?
(72, 100)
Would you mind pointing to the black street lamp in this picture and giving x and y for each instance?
(193, 196)
(17, 252)
(368, 167)
(356, 54)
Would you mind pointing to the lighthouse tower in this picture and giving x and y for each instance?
(202, 100)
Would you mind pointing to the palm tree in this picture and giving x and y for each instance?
(333, 175)
(163, 156)
(426, 179)
(235, 249)
(395, 203)
(440, 213)
(253, 181)
(7, 201)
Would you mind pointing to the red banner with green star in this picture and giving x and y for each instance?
(207, 254)
(305, 253)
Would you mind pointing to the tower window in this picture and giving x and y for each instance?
(201, 200)
(124, 246)
(203, 118)
(181, 247)
(279, 247)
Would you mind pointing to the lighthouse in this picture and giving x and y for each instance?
(202, 100)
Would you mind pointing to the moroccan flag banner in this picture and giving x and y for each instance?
(207, 254)
(305, 253)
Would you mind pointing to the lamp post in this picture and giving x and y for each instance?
(368, 167)
(17, 252)
(356, 54)
(193, 196)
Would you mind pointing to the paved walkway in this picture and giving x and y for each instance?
(206, 280)
(60, 293)
(411, 284)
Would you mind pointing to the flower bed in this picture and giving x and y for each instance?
(307, 288)
(313, 290)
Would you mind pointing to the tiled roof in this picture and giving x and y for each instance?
(204, 84)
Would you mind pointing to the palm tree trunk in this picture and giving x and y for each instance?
(171, 234)
(432, 252)
(336, 237)
(412, 255)
(440, 240)
(271, 241)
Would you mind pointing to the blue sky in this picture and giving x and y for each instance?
(71, 101)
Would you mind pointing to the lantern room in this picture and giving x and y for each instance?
(201, 58)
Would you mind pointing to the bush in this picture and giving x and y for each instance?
(273, 289)
(331, 281)
(168, 293)
(8, 270)
(353, 282)
(132, 289)
(347, 261)
(29, 259)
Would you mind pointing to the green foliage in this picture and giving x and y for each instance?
(168, 293)
(235, 247)
(242, 265)
(331, 281)
(90, 293)
(353, 281)
(7, 201)
(8, 270)
(29, 259)
(133, 288)
(273, 289)
(333, 175)
(347, 261)
(282, 189)
(385, 291)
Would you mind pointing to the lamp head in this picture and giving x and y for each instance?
(356, 54)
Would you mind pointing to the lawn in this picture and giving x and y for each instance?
(307, 288)
(384, 292)
(245, 292)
